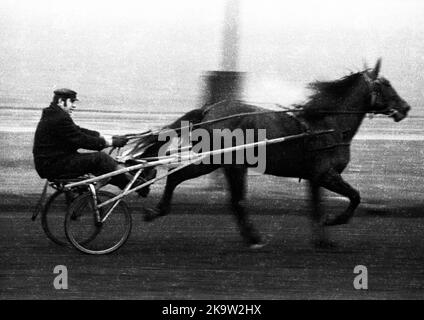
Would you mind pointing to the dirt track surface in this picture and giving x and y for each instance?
(185, 256)
(197, 253)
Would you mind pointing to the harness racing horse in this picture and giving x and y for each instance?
(339, 105)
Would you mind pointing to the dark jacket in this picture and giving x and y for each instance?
(57, 136)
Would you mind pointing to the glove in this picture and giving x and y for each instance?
(119, 141)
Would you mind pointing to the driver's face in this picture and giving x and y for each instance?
(68, 106)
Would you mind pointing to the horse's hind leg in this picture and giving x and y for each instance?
(172, 181)
(236, 177)
(333, 181)
(318, 231)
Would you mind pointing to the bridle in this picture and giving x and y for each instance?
(372, 84)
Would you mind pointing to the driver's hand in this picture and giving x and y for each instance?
(119, 141)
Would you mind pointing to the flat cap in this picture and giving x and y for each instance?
(66, 93)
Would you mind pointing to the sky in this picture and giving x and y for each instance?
(156, 51)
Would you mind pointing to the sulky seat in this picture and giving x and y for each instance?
(63, 180)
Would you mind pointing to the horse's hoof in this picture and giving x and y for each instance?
(150, 214)
(257, 246)
(253, 240)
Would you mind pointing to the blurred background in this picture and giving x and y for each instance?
(149, 56)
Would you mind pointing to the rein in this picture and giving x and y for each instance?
(150, 132)
(355, 112)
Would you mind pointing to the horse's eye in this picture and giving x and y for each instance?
(385, 82)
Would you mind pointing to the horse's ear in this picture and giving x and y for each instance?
(376, 71)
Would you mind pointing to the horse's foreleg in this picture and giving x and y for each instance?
(236, 177)
(333, 181)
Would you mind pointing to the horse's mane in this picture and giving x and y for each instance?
(328, 95)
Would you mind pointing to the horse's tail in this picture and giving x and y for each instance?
(149, 145)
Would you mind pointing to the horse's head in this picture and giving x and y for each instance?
(384, 98)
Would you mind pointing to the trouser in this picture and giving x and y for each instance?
(96, 163)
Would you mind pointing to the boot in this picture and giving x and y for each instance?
(146, 175)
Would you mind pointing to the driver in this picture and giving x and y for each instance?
(57, 139)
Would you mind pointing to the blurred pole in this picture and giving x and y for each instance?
(227, 82)
(231, 36)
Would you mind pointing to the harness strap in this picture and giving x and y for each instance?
(302, 123)
(371, 84)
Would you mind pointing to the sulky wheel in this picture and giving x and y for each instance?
(87, 234)
(53, 216)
